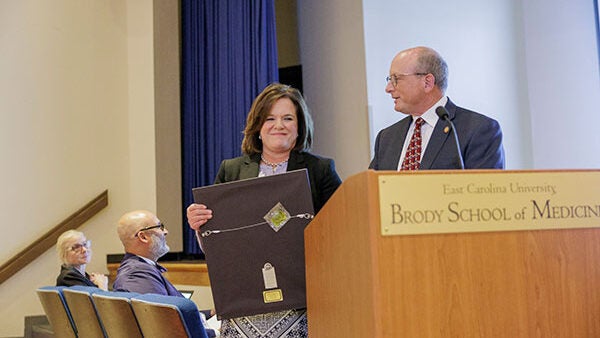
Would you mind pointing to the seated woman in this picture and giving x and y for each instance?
(75, 253)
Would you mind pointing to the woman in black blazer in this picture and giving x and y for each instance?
(278, 134)
(75, 252)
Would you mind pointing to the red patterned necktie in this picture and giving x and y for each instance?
(412, 158)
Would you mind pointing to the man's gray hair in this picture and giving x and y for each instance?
(430, 61)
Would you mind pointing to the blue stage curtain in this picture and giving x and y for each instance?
(229, 54)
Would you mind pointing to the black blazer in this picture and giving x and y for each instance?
(70, 276)
(480, 139)
(323, 178)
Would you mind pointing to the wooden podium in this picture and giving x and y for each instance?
(530, 283)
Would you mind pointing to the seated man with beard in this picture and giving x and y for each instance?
(144, 239)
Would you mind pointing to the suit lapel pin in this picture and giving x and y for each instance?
(446, 130)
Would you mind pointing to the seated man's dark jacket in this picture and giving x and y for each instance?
(137, 275)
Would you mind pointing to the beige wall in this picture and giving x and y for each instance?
(334, 80)
(167, 120)
(76, 118)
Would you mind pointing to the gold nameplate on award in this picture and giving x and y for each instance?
(272, 296)
(479, 201)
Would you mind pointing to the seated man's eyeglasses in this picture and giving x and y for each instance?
(79, 246)
(159, 225)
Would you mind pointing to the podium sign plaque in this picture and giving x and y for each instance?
(487, 201)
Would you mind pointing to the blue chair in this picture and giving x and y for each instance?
(116, 314)
(57, 311)
(167, 316)
(83, 311)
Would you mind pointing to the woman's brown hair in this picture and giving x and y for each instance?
(252, 144)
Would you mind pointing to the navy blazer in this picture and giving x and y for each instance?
(323, 178)
(137, 275)
(480, 139)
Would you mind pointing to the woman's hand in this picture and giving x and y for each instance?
(100, 280)
(198, 215)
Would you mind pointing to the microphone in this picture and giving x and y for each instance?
(443, 114)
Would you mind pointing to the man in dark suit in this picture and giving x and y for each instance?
(417, 82)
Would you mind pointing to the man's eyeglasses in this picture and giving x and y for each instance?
(395, 77)
(159, 225)
(79, 246)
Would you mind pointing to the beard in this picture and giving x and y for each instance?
(159, 246)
